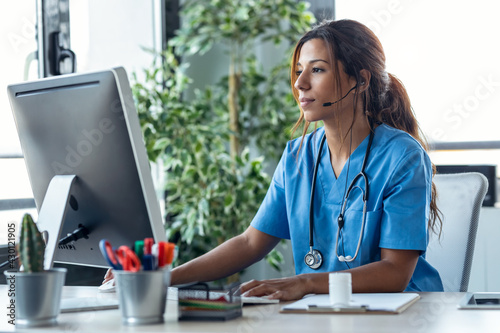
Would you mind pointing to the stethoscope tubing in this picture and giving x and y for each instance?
(349, 258)
(313, 187)
(361, 174)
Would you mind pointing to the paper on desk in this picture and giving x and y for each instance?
(384, 302)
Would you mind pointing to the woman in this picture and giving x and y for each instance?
(338, 77)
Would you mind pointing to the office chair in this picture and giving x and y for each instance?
(459, 197)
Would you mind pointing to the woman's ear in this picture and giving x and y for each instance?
(365, 77)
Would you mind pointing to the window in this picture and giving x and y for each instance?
(18, 44)
(112, 33)
(103, 34)
(446, 53)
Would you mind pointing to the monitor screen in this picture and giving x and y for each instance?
(80, 133)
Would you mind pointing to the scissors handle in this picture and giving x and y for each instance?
(128, 259)
(109, 254)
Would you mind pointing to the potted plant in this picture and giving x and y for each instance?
(35, 293)
(214, 187)
(207, 190)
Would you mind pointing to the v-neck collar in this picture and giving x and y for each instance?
(333, 188)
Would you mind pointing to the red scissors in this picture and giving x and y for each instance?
(122, 259)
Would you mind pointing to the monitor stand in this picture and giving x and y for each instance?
(57, 201)
(52, 214)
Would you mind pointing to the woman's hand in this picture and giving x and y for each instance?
(284, 289)
(109, 276)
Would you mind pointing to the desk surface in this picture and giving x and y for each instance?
(434, 312)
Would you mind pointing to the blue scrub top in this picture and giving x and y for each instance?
(400, 178)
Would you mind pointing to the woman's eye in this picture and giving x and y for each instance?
(317, 70)
(298, 73)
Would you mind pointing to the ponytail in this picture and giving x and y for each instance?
(395, 107)
(396, 111)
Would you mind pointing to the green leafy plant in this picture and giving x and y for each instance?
(31, 246)
(239, 26)
(213, 186)
(210, 196)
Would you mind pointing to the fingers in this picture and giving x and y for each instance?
(277, 295)
(108, 276)
(258, 288)
(244, 287)
(284, 289)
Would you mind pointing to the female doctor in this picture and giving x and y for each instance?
(355, 194)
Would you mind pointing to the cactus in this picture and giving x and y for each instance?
(31, 246)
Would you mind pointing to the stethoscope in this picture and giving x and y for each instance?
(314, 258)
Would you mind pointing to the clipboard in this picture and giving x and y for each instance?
(376, 303)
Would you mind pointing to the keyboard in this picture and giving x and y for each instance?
(172, 295)
(78, 304)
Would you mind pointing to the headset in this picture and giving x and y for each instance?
(314, 258)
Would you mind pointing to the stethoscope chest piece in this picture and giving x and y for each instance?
(313, 259)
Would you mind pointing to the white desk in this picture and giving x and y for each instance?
(434, 312)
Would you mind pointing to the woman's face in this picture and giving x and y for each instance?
(317, 85)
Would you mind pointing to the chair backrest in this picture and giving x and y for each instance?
(459, 197)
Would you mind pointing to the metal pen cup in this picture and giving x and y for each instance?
(142, 295)
(35, 298)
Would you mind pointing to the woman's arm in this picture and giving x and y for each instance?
(391, 274)
(228, 258)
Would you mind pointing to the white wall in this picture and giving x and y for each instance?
(104, 34)
(446, 54)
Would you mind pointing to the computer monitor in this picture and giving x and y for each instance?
(87, 163)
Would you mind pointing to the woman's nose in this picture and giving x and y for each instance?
(301, 82)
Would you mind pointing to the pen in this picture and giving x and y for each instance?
(155, 254)
(165, 254)
(148, 258)
(148, 245)
(139, 248)
(160, 254)
(170, 253)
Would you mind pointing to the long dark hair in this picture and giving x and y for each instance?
(385, 101)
